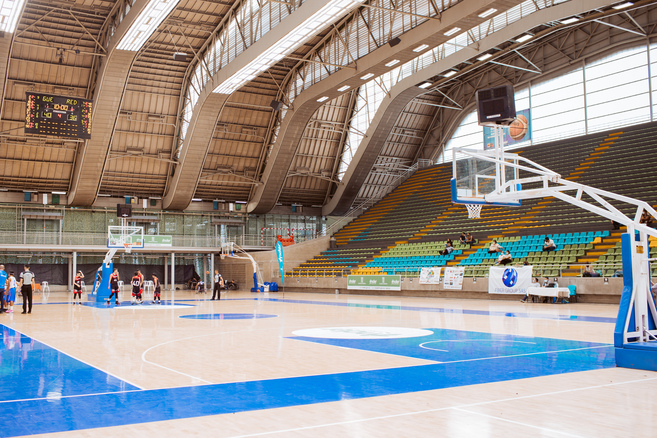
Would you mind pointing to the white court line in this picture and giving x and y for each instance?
(71, 396)
(543, 429)
(79, 360)
(426, 411)
(143, 357)
(528, 354)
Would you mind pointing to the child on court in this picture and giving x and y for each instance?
(156, 291)
(77, 287)
(11, 294)
(136, 288)
(114, 287)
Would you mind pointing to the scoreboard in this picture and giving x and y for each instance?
(58, 116)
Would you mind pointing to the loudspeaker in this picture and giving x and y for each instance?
(123, 210)
(496, 106)
(276, 105)
(393, 42)
(179, 56)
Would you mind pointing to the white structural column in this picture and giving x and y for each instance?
(74, 269)
(112, 78)
(182, 185)
(173, 271)
(464, 15)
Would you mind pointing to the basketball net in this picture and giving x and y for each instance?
(128, 247)
(474, 210)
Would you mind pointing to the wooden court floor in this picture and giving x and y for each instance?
(318, 365)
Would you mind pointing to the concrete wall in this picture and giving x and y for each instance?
(589, 290)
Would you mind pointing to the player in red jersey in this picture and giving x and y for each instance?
(114, 287)
(156, 291)
(136, 283)
(77, 287)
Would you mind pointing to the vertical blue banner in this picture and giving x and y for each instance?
(279, 256)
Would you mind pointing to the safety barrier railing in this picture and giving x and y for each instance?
(537, 270)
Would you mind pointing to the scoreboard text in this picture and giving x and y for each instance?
(57, 115)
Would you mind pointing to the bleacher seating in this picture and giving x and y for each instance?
(404, 231)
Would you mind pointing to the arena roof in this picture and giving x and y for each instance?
(167, 124)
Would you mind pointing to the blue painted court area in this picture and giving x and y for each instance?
(32, 370)
(456, 345)
(228, 316)
(468, 358)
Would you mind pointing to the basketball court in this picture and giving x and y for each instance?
(297, 364)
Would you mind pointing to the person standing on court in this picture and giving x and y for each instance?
(27, 280)
(3, 288)
(218, 284)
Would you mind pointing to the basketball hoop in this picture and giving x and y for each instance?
(128, 247)
(473, 210)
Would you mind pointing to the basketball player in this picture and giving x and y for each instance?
(11, 297)
(218, 284)
(156, 291)
(77, 287)
(114, 287)
(136, 288)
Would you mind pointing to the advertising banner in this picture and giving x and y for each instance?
(453, 278)
(519, 131)
(430, 276)
(281, 264)
(157, 240)
(374, 282)
(509, 280)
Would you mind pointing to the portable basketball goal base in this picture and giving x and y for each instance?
(493, 177)
(232, 250)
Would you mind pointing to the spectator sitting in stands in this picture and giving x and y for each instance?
(494, 247)
(549, 244)
(504, 258)
(589, 272)
(469, 239)
(448, 248)
(462, 237)
(646, 218)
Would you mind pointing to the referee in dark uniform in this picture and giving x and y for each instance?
(27, 280)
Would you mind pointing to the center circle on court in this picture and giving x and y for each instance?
(363, 332)
(228, 316)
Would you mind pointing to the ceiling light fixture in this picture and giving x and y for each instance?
(293, 39)
(418, 49)
(484, 57)
(452, 31)
(424, 85)
(367, 76)
(10, 10)
(146, 23)
(525, 37)
(322, 99)
(623, 5)
(449, 73)
(344, 88)
(487, 12)
(570, 20)
(391, 63)
(197, 200)
(58, 193)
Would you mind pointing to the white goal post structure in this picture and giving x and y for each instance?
(635, 336)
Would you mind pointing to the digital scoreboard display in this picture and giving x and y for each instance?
(58, 116)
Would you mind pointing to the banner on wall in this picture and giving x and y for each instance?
(374, 282)
(430, 276)
(517, 132)
(509, 280)
(453, 278)
(281, 264)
